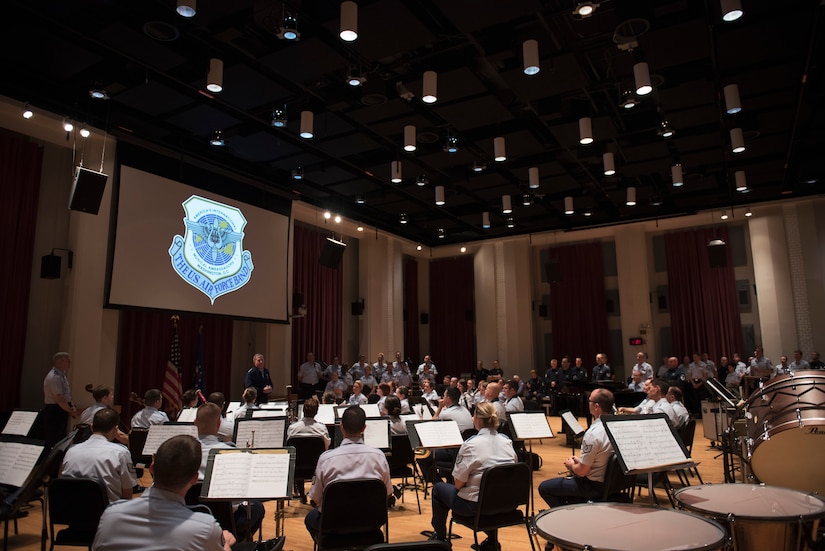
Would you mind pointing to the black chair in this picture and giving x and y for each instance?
(425, 545)
(77, 503)
(618, 486)
(221, 510)
(307, 451)
(340, 528)
(687, 433)
(403, 465)
(504, 488)
(137, 439)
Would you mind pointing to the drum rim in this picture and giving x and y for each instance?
(581, 547)
(784, 379)
(724, 515)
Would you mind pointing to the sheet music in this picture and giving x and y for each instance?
(371, 410)
(326, 414)
(439, 434)
(20, 422)
(646, 443)
(232, 407)
(422, 412)
(377, 433)
(529, 425)
(236, 474)
(158, 434)
(187, 415)
(572, 422)
(260, 413)
(17, 461)
(274, 405)
(268, 433)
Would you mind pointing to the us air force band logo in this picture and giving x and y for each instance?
(210, 256)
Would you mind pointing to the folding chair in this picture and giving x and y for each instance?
(339, 528)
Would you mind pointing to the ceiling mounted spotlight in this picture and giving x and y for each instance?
(27, 112)
(429, 92)
(279, 117)
(84, 132)
(395, 172)
(217, 139)
(307, 122)
(506, 204)
(585, 131)
(733, 104)
(327, 215)
(359, 228)
(463, 249)
(588, 212)
(676, 175)
(355, 78)
(298, 173)
(349, 21)
(741, 181)
(451, 144)
(68, 125)
(568, 205)
(748, 212)
(289, 29)
(98, 93)
(337, 219)
(510, 222)
(214, 79)
(533, 177)
(585, 9)
(609, 164)
(526, 199)
(409, 138)
(403, 219)
(530, 50)
(359, 200)
(439, 196)
(187, 8)
(731, 10)
(485, 220)
(418, 247)
(630, 201)
(665, 130)
(737, 140)
(629, 100)
(657, 200)
(724, 215)
(499, 153)
(421, 181)
(441, 233)
(641, 77)
(479, 167)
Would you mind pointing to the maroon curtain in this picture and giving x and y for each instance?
(578, 303)
(411, 329)
(704, 311)
(452, 315)
(323, 293)
(20, 163)
(145, 343)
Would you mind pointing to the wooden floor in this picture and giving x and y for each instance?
(405, 522)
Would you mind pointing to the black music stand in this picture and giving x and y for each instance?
(725, 396)
(260, 432)
(572, 423)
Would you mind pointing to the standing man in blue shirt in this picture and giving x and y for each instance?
(258, 378)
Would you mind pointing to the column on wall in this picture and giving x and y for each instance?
(772, 277)
(504, 313)
(806, 236)
(633, 267)
(381, 285)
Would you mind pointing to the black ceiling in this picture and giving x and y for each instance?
(153, 64)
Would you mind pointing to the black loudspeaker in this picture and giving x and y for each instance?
(551, 271)
(50, 266)
(297, 300)
(718, 255)
(358, 308)
(87, 190)
(542, 310)
(332, 253)
(425, 318)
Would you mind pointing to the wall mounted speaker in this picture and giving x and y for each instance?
(357, 308)
(50, 266)
(87, 190)
(332, 253)
(718, 255)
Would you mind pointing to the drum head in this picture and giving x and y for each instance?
(750, 502)
(621, 527)
(792, 459)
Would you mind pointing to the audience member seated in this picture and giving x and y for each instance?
(150, 414)
(101, 459)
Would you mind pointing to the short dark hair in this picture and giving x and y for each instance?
(676, 391)
(190, 395)
(207, 417)
(328, 397)
(604, 398)
(405, 392)
(105, 419)
(353, 421)
(151, 397)
(177, 462)
(661, 383)
(311, 407)
(218, 399)
(453, 394)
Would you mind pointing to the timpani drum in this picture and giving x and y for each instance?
(786, 431)
(622, 527)
(757, 517)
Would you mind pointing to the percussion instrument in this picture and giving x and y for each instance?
(786, 431)
(622, 527)
(757, 516)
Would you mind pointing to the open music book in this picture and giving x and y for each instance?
(20, 422)
(187, 415)
(528, 425)
(646, 443)
(17, 460)
(376, 435)
(249, 474)
(158, 434)
(438, 434)
(260, 433)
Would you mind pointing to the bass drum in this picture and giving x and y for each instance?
(786, 431)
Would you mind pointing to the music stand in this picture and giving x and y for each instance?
(158, 434)
(721, 392)
(575, 427)
(266, 432)
(376, 435)
(530, 425)
(20, 422)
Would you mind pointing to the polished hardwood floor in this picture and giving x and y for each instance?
(406, 524)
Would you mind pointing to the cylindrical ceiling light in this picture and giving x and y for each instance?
(421, 181)
(530, 48)
(214, 79)
(439, 195)
(585, 131)
(631, 197)
(568, 205)
(187, 8)
(403, 219)
(409, 138)
(724, 215)
(510, 222)
(609, 164)
(395, 172)
(737, 140)
(429, 93)
(485, 220)
(526, 199)
(732, 103)
(731, 10)
(506, 205)
(741, 181)
(499, 153)
(307, 119)
(533, 176)
(349, 21)
(676, 175)
(641, 75)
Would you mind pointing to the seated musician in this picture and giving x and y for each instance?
(357, 397)
(249, 397)
(227, 426)
(428, 391)
(393, 406)
(150, 414)
(476, 455)
(645, 406)
(104, 397)
(587, 472)
(159, 517)
(308, 426)
(190, 398)
(674, 397)
(101, 459)
(403, 394)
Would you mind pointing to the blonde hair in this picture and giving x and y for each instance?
(486, 411)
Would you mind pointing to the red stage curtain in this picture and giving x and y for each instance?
(20, 163)
(411, 332)
(323, 291)
(578, 303)
(704, 310)
(452, 315)
(145, 341)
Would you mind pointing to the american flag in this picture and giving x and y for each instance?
(172, 387)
